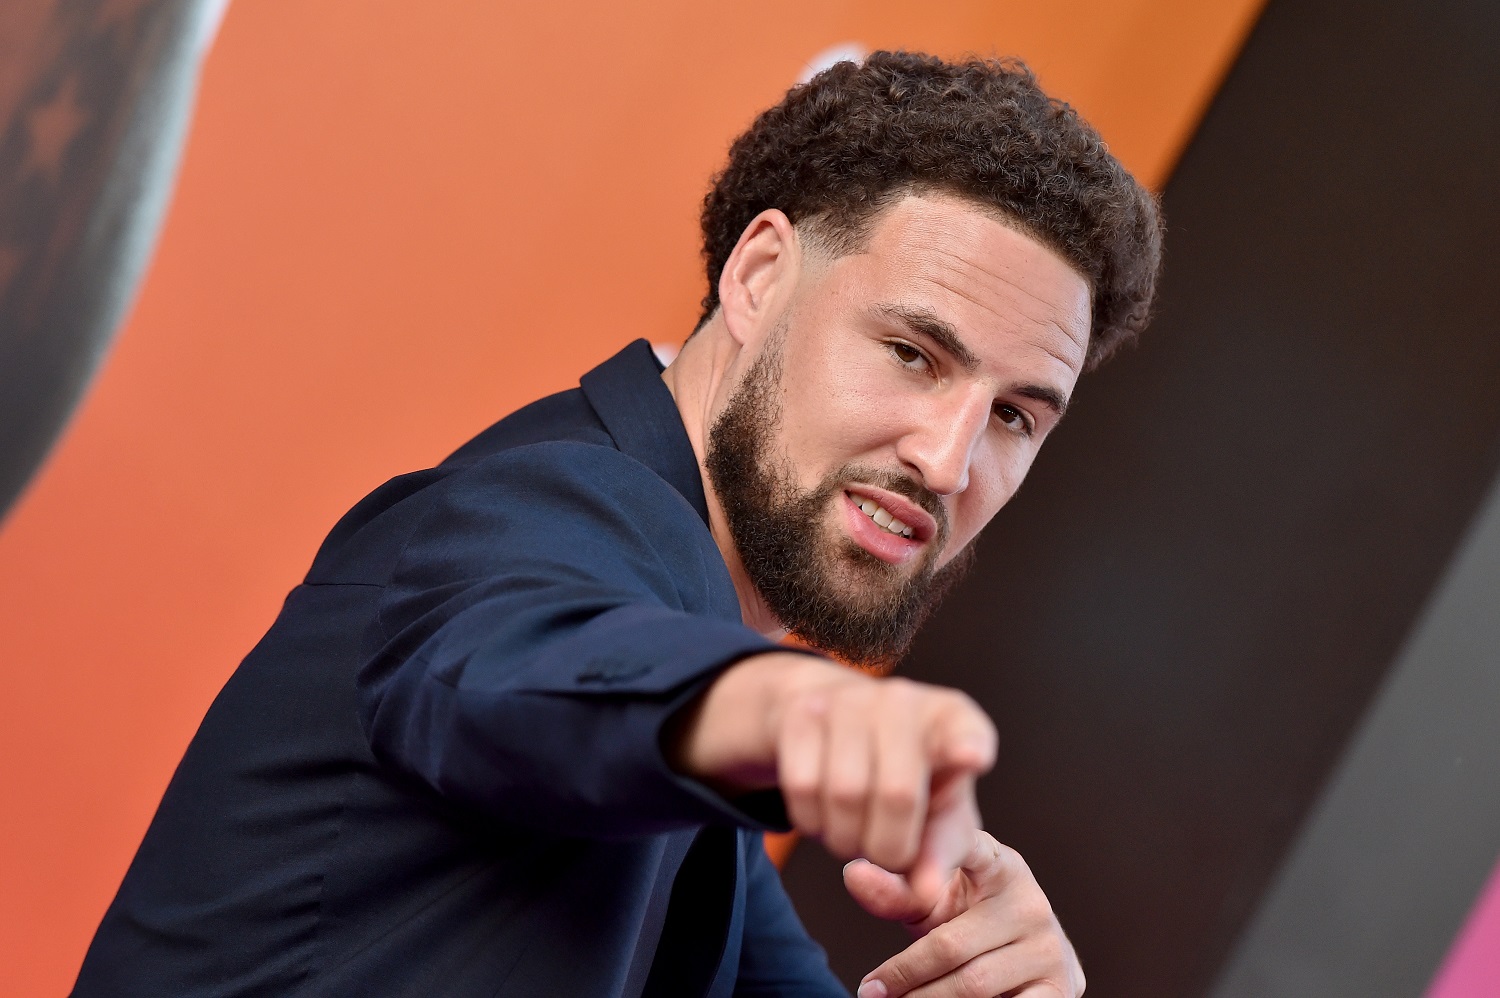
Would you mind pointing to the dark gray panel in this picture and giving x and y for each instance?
(1181, 620)
(1394, 854)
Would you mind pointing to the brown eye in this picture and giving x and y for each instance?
(1013, 418)
(906, 353)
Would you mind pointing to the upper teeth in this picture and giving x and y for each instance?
(882, 516)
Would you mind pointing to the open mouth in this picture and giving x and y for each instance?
(880, 515)
(886, 524)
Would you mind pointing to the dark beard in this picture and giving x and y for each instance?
(832, 594)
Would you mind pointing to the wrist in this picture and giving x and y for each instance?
(726, 738)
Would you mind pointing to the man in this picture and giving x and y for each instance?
(518, 730)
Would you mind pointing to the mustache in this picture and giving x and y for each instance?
(901, 484)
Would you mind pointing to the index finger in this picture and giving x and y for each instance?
(961, 735)
(948, 837)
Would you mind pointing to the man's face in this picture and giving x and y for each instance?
(892, 408)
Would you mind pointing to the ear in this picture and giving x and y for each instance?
(759, 276)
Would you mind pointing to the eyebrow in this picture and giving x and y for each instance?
(925, 323)
(1049, 397)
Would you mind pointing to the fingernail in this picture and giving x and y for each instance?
(854, 862)
(871, 989)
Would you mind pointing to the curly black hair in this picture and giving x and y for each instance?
(842, 146)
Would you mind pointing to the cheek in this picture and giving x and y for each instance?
(990, 488)
(835, 420)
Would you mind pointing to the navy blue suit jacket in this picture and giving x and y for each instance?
(440, 772)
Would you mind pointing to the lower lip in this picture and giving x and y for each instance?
(881, 543)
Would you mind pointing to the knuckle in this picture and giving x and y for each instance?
(806, 821)
(950, 944)
(807, 710)
(898, 976)
(799, 799)
(972, 982)
(803, 811)
(901, 691)
(1053, 952)
(797, 706)
(961, 701)
(859, 689)
(798, 787)
(1032, 909)
(846, 796)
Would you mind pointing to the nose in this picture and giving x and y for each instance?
(940, 445)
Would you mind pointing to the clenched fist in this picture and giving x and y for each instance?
(882, 769)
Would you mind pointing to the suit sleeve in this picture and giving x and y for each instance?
(778, 959)
(552, 607)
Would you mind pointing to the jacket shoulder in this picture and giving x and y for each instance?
(565, 416)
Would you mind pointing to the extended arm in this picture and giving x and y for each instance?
(552, 609)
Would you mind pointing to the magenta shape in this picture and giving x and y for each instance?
(1472, 968)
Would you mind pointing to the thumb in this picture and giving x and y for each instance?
(882, 893)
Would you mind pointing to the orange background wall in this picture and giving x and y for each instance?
(396, 222)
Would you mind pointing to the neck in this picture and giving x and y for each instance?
(699, 380)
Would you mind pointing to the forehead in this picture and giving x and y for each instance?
(993, 283)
